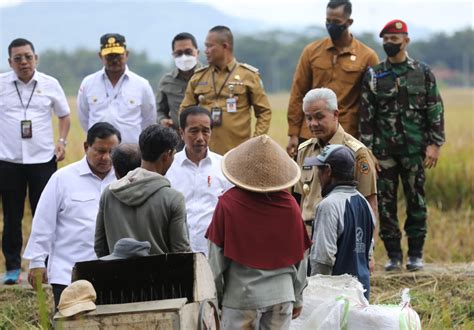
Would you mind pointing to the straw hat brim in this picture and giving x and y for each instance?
(260, 165)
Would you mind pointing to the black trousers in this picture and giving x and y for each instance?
(57, 290)
(15, 181)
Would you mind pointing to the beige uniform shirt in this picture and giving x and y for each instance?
(241, 81)
(309, 186)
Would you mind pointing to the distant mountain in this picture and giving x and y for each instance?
(147, 26)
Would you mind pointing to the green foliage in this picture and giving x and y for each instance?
(71, 68)
(275, 53)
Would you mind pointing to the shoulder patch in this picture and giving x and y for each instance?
(363, 165)
(353, 144)
(249, 67)
(305, 144)
(201, 68)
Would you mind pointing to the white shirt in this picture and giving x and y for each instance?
(129, 106)
(48, 97)
(64, 221)
(201, 186)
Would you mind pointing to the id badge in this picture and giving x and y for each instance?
(231, 104)
(26, 129)
(216, 116)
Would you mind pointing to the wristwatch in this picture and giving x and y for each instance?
(63, 141)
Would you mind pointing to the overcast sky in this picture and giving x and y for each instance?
(369, 15)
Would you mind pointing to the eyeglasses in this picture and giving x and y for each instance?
(187, 51)
(19, 58)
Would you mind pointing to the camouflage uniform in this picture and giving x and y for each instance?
(401, 114)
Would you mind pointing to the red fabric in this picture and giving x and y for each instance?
(262, 231)
(395, 26)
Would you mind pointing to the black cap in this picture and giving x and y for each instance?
(339, 157)
(112, 43)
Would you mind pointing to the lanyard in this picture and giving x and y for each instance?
(118, 91)
(21, 100)
(222, 87)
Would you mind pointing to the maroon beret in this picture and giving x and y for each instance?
(395, 26)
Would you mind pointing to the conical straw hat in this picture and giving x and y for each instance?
(260, 165)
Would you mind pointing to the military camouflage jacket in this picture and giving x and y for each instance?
(401, 109)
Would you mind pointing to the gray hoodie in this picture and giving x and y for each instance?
(141, 205)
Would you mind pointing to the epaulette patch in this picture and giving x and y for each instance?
(249, 67)
(353, 145)
(305, 144)
(201, 68)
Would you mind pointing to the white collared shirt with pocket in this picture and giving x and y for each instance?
(129, 105)
(64, 223)
(201, 186)
(47, 98)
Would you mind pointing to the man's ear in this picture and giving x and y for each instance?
(181, 133)
(86, 147)
(349, 22)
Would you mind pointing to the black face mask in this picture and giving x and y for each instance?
(391, 49)
(335, 30)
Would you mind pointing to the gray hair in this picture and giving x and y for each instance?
(317, 94)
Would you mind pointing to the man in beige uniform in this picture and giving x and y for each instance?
(321, 113)
(228, 90)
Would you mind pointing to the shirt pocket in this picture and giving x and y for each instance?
(351, 74)
(96, 102)
(205, 92)
(81, 204)
(416, 90)
(132, 100)
(322, 72)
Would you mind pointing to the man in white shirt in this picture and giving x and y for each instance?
(196, 173)
(115, 94)
(28, 153)
(64, 223)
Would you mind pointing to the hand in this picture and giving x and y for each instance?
(431, 156)
(376, 163)
(292, 147)
(60, 151)
(36, 276)
(372, 264)
(296, 312)
(166, 122)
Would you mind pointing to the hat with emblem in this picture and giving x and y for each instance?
(339, 157)
(112, 43)
(394, 26)
(260, 165)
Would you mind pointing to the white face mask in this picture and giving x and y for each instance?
(185, 62)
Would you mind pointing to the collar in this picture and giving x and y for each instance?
(228, 67)
(342, 185)
(181, 158)
(84, 169)
(14, 77)
(351, 49)
(411, 63)
(175, 72)
(337, 138)
(125, 73)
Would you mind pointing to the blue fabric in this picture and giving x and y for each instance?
(354, 244)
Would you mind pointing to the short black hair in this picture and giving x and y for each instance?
(125, 158)
(102, 130)
(184, 36)
(19, 42)
(155, 140)
(225, 34)
(337, 3)
(192, 111)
